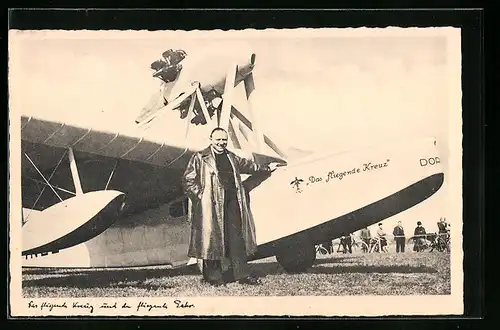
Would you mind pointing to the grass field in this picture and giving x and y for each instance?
(357, 274)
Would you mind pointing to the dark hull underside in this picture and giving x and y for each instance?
(360, 218)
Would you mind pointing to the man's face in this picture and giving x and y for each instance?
(219, 141)
(399, 223)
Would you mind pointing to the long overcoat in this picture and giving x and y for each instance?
(206, 204)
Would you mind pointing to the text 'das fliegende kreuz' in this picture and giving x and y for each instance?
(339, 175)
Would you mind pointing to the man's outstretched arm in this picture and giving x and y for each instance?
(247, 166)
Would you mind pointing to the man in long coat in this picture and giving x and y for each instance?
(222, 227)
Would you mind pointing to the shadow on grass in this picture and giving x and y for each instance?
(341, 266)
(335, 260)
(104, 278)
(405, 269)
(144, 278)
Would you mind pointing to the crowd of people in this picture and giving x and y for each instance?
(379, 241)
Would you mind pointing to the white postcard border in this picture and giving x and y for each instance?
(296, 306)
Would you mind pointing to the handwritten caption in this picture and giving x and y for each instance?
(330, 176)
(91, 308)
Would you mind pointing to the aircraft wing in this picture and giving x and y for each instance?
(147, 171)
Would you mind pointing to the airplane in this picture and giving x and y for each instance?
(107, 199)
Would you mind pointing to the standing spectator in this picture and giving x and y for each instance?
(399, 237)
(342, 243)
(443, 230)
(382, 236)
(348, 243)
(366, 237)
(420, 236)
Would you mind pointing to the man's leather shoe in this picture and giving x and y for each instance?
(250, 280)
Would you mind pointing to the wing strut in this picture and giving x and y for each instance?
(227, 101)
(74, 172)
(203, 106)
(246, 126)
(188, 117)
(228, 113)
(53, 186)
(195, 92)
(46, 184)
(249, 91)
(43, 177)
(233, 134)
(111, 175)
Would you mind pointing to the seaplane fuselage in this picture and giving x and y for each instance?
(306, 202)
(299, 206)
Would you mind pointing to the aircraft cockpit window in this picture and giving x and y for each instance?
(178, 209)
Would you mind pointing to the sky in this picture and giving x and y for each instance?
(318, 93)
